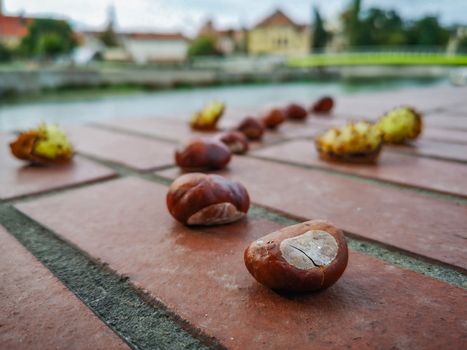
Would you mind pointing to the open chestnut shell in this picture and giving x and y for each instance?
(301, 258)
(203, 154)
(235, 140)
(201, 199)
(273, 118)
(295, 112)
(252, 128)
(323, 105)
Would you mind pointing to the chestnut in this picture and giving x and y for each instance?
(235, 140)
(201, 199)
(295, 112)
(252, 128)
(301, 258)
(273, 118)
(323, 105)
(203, 154)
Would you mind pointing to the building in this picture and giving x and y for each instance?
(228, 42)
(12, 28)
(278, 34)
(155, 47)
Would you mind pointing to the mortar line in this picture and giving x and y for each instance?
(458, 199)
(139, 320)
(393, 255)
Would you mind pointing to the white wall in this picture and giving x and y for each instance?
(144, 51)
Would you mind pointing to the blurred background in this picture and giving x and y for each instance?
(86, 60)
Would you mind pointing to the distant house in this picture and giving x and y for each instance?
(228, 41)
(278, 34)
(155, 47)
(13, 28)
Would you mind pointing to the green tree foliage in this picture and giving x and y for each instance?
(320, 36)
(109, 38)
(203, 46)
(48, 38)
(5, 53)
(378, 27)
(427, 31)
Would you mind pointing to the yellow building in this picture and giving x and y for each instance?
(279, 35)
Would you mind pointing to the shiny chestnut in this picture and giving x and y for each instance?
(235, 140)
(203, 154)
(200, 199)
(295, 112)
(301, 258)
(273, 118)
(252, 128)
(323, 105)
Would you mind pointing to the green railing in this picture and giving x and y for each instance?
(377, 58)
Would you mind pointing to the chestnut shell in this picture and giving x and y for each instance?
(191, 193)
(235, 140)
(323, 105)
(203, 154)
(264, 260)
(295, 112)
(252, 128)
(273, 118)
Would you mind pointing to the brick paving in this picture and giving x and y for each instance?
(39, 312)
(409, 213)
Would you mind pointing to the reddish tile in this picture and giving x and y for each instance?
(447, 121)
(38, 312)
(445, 135)
(394, 167)
(443, 150)
(133, 151)
(19, 179)
(415, 223)
(179, 131)
(163, 257)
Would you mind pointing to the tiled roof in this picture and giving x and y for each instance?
(13, 26)
(279, 18)
(154, 36)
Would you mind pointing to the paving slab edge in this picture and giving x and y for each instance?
(140, 320)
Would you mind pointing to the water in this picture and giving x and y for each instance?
(179, 103)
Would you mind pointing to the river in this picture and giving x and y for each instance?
(86, 107)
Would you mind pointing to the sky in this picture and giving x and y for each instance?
(187, 15)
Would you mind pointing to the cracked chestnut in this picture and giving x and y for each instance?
(301, 258)
(295, 112)
(273, 118)
(252, 128)
(235, 140)
(203, 154)
(201, 199)
(323, 105)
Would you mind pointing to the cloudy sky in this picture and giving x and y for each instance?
(187, 15)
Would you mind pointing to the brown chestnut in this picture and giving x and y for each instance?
(323, 105)
(273, 118)
(235, 140)
(301, 258)
(252, 128)
(200, 199)
(203, 154)
(295, 112)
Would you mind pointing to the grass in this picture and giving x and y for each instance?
(376, 58)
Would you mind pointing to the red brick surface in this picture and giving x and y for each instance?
(445, 135)
(17, 178)
(399, 168)
(200, 275)
(415, 223)
(444, 150)
(38, 312)
(136, 152)
(446, 121)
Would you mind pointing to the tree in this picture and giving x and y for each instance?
(427, 31)
(320, 36)
(203, 46)
(5, 53)
(48, 38)
(109, 38)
